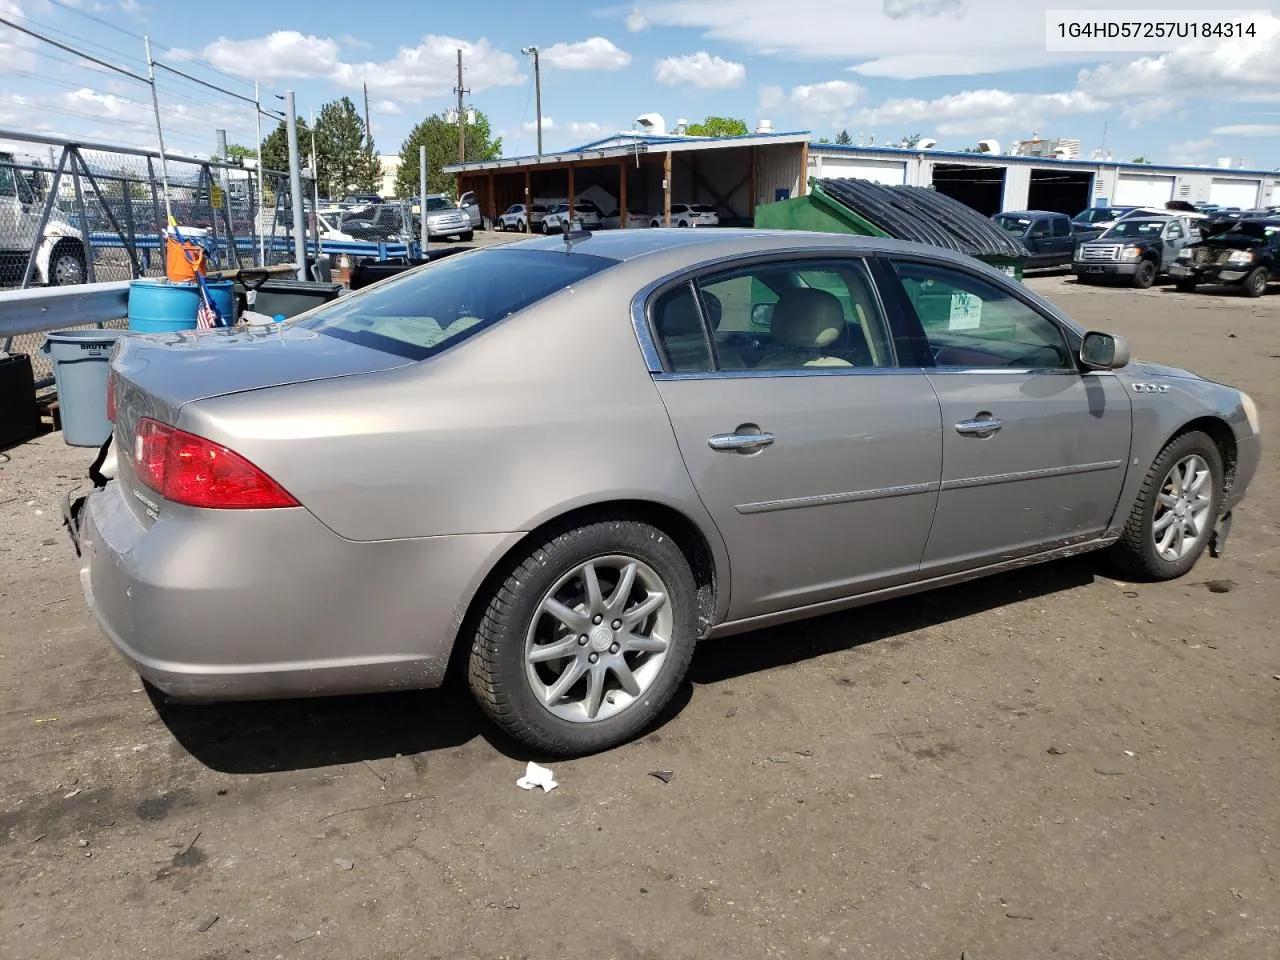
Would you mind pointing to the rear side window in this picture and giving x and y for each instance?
(424, 311)
(1061, 228)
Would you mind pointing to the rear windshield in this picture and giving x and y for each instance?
(1098, 214)
(420, 313)
(1015, 225)
(702, 208)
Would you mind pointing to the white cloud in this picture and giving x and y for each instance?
(902, 39)
(1139, 113)
(831, 101)
(636, 21)
(1244, 69)
(17, 50)
(1248, 130)
(594, 53)
(531, 126)
(588, 128)
(388, 107)
(430, 69)
(280, 55)
(1194, 152)
(701, 70)
(349, 42)
(413, 74)
(982, 112)
(772, 97)
(133, 9)
(902, 9)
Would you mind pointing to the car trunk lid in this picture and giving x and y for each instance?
(156, 375)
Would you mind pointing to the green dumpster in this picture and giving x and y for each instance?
(867, 209)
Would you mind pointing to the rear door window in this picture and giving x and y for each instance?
(1061, 228)
(426, 310)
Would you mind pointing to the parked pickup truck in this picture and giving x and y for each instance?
(1049, 237)
(1239, 253)
(60, 250)
(1135, 250)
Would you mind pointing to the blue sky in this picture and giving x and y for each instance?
(956, 70)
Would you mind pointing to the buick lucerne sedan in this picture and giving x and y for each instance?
(562, 462)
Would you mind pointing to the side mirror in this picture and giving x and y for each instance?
(761, 314)
(1103, 351)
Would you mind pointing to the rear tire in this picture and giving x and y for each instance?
(1145, 276)
(1163, 505)
(1255, 284)
(592, 674)
(1186, 286)
(466, 237)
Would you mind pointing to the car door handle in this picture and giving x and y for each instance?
(983, 426)
(739, 441)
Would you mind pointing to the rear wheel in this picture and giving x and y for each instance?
(1145, 276)
(465, 237)
(1186, 286)
(1175, 511)
(587, 639)
(1255, 284)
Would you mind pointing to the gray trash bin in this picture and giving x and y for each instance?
(79, 360)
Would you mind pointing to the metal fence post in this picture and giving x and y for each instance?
(49, 200)
(84, 222)
(422, 189)
(295, 185)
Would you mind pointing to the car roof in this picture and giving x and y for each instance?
(1031, 213)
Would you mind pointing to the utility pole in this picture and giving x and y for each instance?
(368, 130)
(537, 86)
(295, 185)
(460, 90)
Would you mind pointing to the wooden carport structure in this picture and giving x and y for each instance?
(647, 174)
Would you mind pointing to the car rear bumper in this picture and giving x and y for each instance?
(247, 604)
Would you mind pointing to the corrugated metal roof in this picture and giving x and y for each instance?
(996, 159)
(923, 216)
(625, 144)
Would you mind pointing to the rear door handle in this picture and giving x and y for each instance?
(739, 441)
(984, 425)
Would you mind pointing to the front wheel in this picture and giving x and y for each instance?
(466, 237)
(1145, 276)
(1255, 284)
(1175, 510)
(587, 639)
(66, 267)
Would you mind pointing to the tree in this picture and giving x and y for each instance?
(843, 138)
(238, 151)
(345, 156)
(911, 141)
(275, 149)
(1140, 160)
(718, 127)
(441, 139)
(824, 139)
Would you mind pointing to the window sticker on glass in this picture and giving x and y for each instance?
(966, 312)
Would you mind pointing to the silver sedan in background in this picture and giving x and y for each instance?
(568, 459)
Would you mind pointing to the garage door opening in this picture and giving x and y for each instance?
(979, 187)
(1060, 191)
(1228, 193)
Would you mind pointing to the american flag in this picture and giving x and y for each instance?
(205, 319)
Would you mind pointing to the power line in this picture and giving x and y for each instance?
(128, 58)
(73, 51)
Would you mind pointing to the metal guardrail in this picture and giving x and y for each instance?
(51, 308)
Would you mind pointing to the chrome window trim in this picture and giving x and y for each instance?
(651, 291)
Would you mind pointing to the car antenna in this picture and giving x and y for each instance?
(572, 236)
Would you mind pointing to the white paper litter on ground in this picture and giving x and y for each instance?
(537, 776)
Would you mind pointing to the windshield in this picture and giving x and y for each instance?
(423, 311)
(440, 203)
(1136, 229)
(1099, 214)
(1015, 225)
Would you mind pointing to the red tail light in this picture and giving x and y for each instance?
(191, 470)
(111, 395)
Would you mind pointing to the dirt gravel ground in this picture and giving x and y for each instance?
(1047, 763)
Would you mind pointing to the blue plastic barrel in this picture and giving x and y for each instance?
(80, 360)
(160, 306)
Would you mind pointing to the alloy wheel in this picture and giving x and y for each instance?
(1182, 508)
(598, 639)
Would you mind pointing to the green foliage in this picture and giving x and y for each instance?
(346, 159)
(238, 151)
(844, 139)
(912, 140)
(718, 127)
(275, 148)
(1142, 159)
(824, 139)
(441, 139)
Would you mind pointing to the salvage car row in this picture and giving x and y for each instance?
(1139, 246)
